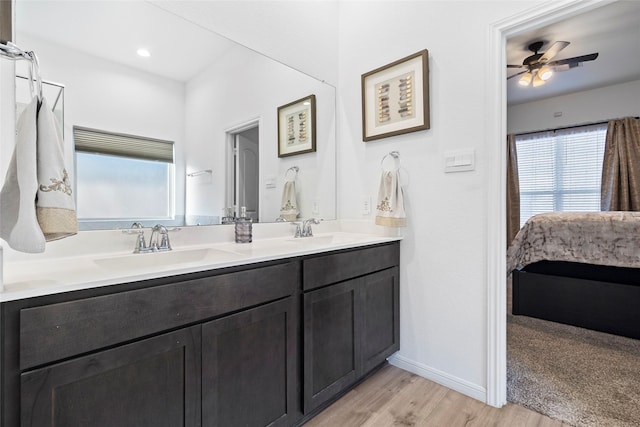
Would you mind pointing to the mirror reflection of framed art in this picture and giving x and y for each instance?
(297, 127)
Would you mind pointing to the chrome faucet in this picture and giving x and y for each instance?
(306, 227)
(164, 244)
(158, 242)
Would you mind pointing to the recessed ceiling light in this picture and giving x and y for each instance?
(144, 53)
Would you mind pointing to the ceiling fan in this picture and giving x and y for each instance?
(539, 67)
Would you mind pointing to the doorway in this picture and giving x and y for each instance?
(243, 171)
(529, 20)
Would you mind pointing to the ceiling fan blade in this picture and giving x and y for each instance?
(517, 74)
(514, 66)
(575, 59)
(553, 51)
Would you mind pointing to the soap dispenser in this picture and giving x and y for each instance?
(244, 227)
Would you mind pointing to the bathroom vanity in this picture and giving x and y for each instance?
(261, 343)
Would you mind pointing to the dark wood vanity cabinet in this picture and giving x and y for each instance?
(351, 319)
(257, 345)
(250, 367)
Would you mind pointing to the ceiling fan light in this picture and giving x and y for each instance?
(545, 73)
(537, 81)
(525, 79)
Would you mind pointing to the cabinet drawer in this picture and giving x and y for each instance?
(324, 270)
(57, 331)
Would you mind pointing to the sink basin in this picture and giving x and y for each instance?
(164, 259)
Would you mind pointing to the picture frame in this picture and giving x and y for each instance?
(395, 98)
(297, 127)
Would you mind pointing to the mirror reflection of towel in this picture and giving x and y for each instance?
(289, 206)
(390, 207)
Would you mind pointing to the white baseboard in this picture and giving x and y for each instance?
(442, 378)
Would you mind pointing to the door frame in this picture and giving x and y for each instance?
(230, 137)
(545, 14)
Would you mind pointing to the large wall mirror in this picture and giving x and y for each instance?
(201, 92)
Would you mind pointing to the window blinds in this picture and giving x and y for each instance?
(560, 171)
(116, 144)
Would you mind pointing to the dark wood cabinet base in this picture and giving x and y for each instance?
(267, 344)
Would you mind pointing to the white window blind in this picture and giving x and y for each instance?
(560, 171)
(118, 144)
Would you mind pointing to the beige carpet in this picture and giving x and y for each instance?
(581, 377)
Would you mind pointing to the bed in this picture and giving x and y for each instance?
(581, 269)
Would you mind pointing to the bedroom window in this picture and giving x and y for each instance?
(561, 170)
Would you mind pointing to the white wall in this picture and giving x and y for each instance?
(443, 260)
(596, 105)
(257, 87)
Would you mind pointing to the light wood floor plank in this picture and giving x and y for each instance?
(394, 397)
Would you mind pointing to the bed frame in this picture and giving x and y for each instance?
(596, 297)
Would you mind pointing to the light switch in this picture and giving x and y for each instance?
(270, 181)
(459, 161)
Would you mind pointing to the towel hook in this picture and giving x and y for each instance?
(295, 170)
(396, 157)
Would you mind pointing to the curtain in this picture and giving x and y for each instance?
(621, 166)
(513, 190)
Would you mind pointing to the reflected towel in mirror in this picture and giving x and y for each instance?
(289, 206)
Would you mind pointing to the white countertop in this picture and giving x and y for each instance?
(32, 276)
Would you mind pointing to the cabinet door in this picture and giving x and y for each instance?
(379, 299)
(250, 367)
(153, 382)
(330, 344)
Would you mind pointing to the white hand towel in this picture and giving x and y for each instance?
(390, 208)
(18, 221)
(55, 207)
(289, 207)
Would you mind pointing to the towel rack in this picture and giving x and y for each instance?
(396, 157)
(295, 170)
(198, 173)
(13, 52)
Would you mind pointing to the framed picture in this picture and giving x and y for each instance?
(395, 98)
(297, 127)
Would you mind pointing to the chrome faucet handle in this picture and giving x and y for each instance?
(165, 244)
(141, 245)
(306, 227)
(298, 229)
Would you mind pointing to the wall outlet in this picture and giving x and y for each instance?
(315, 207)
(366, 205)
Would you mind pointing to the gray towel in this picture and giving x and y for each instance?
(18, 221)
(36, 203)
